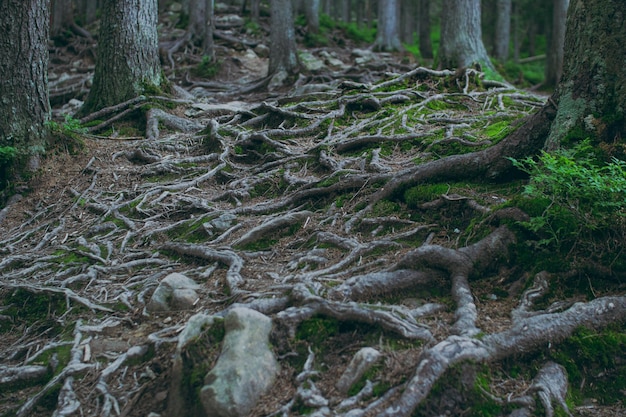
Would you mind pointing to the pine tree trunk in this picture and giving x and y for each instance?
(128, 59)
(24, 104)
(388, 36)
(503, 30)
(312, 12)
(283, 50)
(554, 64)
(426, 45)
(591, 96)
(461, 36)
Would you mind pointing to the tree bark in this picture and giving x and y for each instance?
(554, 64)
(388, 36)
(62, 16)
(24, 104)
(461, 36)
(312, 12)
(283, 52)
(426, 45)
(503, 30)
(591, 95)
(128, 60)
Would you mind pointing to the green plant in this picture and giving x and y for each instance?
(7, 154)
(575, 195)
(68, 127)
(207, 68)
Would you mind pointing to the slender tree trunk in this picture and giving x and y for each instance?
(388, 36)
(461, 36)
(62, 16)
(283, 52)
(503, 30)
(554, 64)
(24, 104)
(426, 45)
(128, 58)
(312, 12)
(409, 19)
(345, 11)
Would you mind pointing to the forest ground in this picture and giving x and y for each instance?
(286, 201)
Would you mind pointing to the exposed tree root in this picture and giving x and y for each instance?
(312, 209)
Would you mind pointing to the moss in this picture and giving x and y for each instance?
(198, 358)
(415, 196)
(25, 308)
(191, 231)
(594, 364)
(207, 68)
(499, 130)
(463, 388)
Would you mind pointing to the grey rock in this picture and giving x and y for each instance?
(362, 361)
(246, 368)
(262, 51)
(310, 61)
(175, 292)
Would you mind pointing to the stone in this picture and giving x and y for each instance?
(310, 61)
(175, 292)
(245, 369)
(262, 51)
(362, 362)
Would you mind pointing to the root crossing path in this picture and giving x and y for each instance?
(340, 214)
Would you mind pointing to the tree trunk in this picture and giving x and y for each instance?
(128, 60)
(312, 12)
(591, 95)
(201, 26)
(426, 45)
(62, 16)
(24, 104)
(408, 19)
(503, 30)
(388, 36)
(283, 52)
(461, 36)
(345, 11)
(554, 64)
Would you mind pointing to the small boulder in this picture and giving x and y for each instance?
(175, 292)
(246, 368)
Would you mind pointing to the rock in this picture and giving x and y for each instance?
(175, 292)
(363, 56)
(362, 362)
(333, 61)
(246, 368)
(194, 328)
(310, 61)
(262, 51)
(278, 80)
(229, 21)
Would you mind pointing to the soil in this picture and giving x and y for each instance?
(95, 206)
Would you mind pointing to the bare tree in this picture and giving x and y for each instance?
(312, 12)
(200, 28)
(502, 34)
(283, 52)
(62, 16)
(554, 65)
(24, 103)
(128, 58)
(388, 35)
(426, 45)
(461, 36)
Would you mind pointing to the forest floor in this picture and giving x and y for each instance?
(309, 205)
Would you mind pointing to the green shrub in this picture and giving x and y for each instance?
(580, 196)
